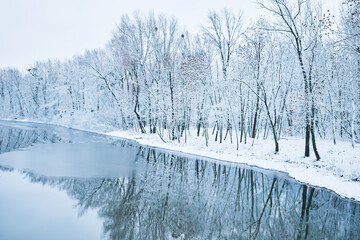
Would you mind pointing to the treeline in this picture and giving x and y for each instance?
(297, 73)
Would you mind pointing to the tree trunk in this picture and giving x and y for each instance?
(172, 107)
(312, 131)
(307, 141)
(138, 118)
(353, 123)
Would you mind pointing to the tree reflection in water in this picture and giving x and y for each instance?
(185, 198)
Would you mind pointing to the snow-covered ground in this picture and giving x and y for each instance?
(338, 169)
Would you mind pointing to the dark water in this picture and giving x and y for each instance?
(57, 183)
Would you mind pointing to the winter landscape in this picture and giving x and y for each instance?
(245, 127)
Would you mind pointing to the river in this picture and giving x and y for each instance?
(60, 183)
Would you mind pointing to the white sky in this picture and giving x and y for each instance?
(33, 30)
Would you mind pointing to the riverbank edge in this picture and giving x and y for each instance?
(296, 167)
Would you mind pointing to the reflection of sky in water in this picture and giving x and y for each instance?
(34, 211)
(70, 154)
(171, 197)
(92, 159)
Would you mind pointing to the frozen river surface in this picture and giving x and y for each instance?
(58, 183)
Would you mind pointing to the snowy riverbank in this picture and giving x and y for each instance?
(338, 170)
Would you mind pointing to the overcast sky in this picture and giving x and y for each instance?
(33, 30)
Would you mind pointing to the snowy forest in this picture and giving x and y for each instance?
(296, 73)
